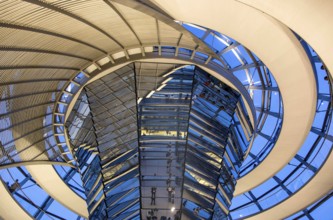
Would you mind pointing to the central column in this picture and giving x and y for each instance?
(157, 141)
(163, 114)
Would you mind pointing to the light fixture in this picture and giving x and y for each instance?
(150, 94)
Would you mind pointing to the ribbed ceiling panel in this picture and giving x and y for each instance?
(41, 15)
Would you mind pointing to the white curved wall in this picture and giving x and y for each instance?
(312, 20)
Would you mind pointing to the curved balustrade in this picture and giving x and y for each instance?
(305, 164)
(315, 210)
(32, 197)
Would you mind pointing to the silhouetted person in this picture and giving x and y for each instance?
(169, 189)
(153, 195)
(2, 150)
(173, 192)
(196, 211)
(14, 186)
(177, 215)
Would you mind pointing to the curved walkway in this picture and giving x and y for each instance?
(282, 53)
(7, 202)
(49, 180)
